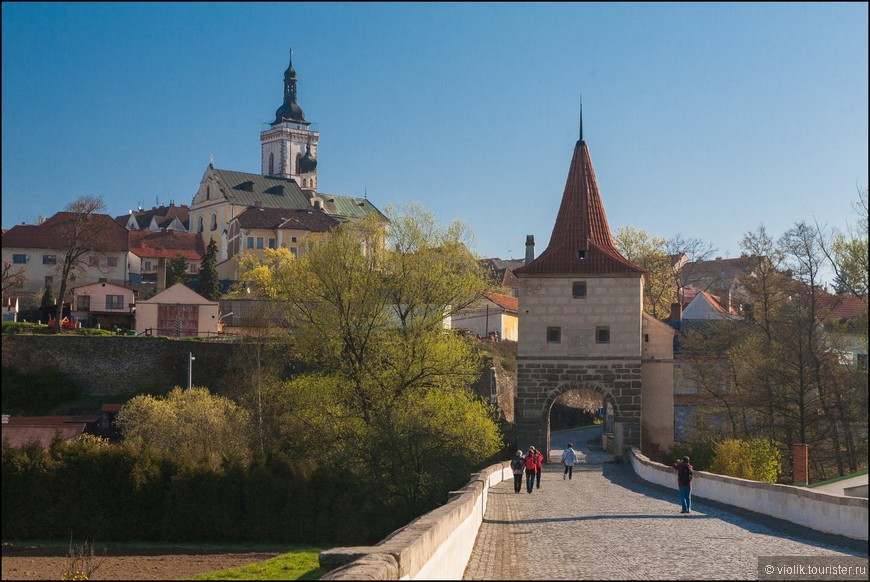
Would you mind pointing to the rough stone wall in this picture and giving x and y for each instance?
(121, 364)
(540, 383)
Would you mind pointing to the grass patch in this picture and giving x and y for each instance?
(298, 564)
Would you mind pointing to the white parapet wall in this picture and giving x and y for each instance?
(435, 546)
(834, 514)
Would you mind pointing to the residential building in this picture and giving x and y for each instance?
(104, 305)
(155, 247)
(492, 313)
(41, 249)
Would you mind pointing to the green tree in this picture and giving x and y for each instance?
(391, 394)
(175, 270)
(191, 425)
(265, 276)
(47, 300)
(209, 284)
(649, 253)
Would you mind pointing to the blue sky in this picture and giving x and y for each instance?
(702, 119)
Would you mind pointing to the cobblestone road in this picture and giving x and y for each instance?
(608, 524)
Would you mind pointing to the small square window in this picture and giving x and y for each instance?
(259, 242)
(112, 261)
(250, 242)
(581, 255)
(554, 335)
(579, 289)
(49, 259)
(271, 243)
(294, 252)
(602, 335)
(292, 239)
(19, 259)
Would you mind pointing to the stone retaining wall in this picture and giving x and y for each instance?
(121, 364)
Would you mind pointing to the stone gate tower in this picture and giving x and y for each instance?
(580, 316)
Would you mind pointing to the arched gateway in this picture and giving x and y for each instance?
(581, 325)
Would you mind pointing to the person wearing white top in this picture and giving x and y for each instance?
(569, 457)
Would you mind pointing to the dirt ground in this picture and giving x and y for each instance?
(125, 563)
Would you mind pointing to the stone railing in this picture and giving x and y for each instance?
(834, 514)
(435, 546)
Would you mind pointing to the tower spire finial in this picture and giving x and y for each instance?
(581, 116)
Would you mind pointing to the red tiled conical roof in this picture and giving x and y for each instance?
(581, 242)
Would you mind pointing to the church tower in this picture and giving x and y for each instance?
(289, 147)
(580, 317)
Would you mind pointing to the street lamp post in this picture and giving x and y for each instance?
(190, 360)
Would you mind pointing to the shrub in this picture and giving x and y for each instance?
(755, 459)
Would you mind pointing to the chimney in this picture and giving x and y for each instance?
(800, 464)
(530, 248)
(676, 312)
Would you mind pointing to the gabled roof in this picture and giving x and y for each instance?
(162, 215)
(179, 293)
(581, 242)
(105, 234)
(506, 302)
(166, 244)
(309, 219)
(18, 435)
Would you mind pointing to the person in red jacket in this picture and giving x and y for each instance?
(531, 469)
(539, 461)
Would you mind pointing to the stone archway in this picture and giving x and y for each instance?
(539, 384)
(585, 392)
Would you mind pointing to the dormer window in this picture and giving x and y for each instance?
(581, 254)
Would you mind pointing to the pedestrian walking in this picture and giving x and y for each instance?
(518, 464)
(685, 471)
(539, 461)
(531, 469)
(569, 457)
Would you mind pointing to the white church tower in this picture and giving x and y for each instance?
(289, 147)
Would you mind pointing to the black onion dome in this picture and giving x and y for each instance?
(307, 163)
(289, 111)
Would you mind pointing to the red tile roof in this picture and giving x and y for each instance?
(166, 244)
(163, 215)
(103, 234)
(506, 302)
(581, 225)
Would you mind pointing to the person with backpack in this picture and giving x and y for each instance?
(531, 461)
(685, 471)
(569, 457)
(518, 463)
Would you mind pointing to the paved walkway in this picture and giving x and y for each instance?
(608, 524)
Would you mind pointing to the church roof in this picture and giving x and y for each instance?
(254, 190)
(581, 242)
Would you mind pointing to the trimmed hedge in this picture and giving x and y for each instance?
(93, 490)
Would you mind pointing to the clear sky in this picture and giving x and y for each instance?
(702, 119)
